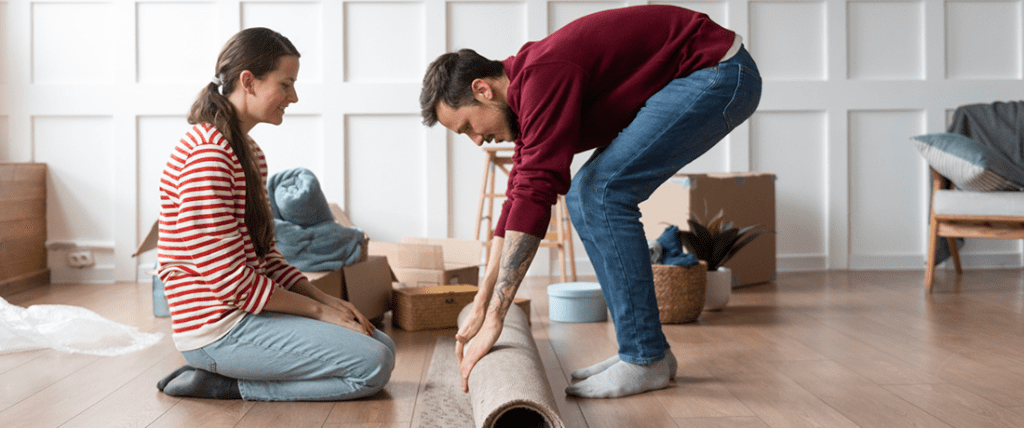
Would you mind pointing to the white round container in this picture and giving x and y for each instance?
(576, 302)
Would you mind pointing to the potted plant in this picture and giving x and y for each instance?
(715, 242)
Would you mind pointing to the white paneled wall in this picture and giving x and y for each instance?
(99, 91)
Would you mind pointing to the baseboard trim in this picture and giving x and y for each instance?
(94, 274)
(31, 280)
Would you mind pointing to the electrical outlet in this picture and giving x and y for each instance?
(80, 259)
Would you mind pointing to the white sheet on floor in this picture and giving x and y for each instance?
(69, 329)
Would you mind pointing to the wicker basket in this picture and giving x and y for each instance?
(680, 291)
(422, 308)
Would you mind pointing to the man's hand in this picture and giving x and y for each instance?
(478, 347)
(517, 254)
(471, 325)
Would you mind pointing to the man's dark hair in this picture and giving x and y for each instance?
(448, 80)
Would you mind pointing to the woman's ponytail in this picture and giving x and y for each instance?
(256, 50)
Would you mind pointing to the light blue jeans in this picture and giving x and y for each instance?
(281, 357)
(677, 124)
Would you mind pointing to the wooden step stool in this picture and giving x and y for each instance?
(559, 235)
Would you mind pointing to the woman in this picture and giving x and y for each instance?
(249, 325)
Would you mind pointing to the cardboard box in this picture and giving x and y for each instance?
(160, 306)
(424, 262)
(747, 198)
(367, 285)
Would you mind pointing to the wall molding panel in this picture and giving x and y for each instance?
(99, 90)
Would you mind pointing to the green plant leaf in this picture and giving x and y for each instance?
(721, 245)
(746, 240)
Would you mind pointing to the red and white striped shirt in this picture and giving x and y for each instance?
(211, 273)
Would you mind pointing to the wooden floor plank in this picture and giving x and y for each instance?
(698, 394)
(286, 415)
(38, 374)
(957, 406)
(190, 412)
(749, 422)
(871, 362)
(773, 397)
(136, 404)
(12, 360)
(994, 385)
(865, 403)
(66, 398)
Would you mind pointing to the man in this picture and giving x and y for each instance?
(651, 88)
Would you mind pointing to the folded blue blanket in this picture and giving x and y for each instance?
(304, 227)
(295, 197)
(321, 247)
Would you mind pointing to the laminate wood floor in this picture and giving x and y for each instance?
(815, 349)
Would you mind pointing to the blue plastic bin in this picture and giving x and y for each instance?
(160, 306)
(576, 302)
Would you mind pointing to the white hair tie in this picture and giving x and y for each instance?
(216, 81)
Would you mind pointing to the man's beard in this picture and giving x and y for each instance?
(511, 121)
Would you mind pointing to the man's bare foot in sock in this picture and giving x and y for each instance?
(616, 378)
(600, 367)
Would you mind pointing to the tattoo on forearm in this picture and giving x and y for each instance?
(522, 247)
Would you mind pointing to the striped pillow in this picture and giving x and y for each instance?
(969, 164)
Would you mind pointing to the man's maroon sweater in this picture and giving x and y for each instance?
(579, 87)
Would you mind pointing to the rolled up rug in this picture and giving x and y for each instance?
(508, 386)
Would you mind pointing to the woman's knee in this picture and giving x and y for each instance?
(379, 365)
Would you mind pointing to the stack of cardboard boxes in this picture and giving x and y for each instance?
(745, 198)
(435, 279)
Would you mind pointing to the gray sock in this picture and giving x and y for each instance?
(594, 369)
(163, 382)
(198, 383)
(600, 367)
(622, 379)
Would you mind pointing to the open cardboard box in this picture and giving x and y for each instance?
(747, 198)
(367, 284)
(423, 262)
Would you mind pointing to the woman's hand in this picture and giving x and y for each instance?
(347, 307)
(305, 288)
(343, 318)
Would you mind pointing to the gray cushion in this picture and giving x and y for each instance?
(969, 164)
(958, 202)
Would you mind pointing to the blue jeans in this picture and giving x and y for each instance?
(676, 125)
(281, 357)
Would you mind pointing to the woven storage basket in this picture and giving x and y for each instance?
(680, 291)
(422, 308)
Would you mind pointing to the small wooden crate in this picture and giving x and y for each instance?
(23, 254)
(423, 308)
